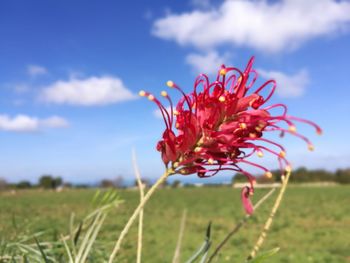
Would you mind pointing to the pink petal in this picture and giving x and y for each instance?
(247, 204)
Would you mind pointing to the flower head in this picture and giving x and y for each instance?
(219, 125)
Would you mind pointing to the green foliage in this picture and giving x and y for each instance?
(50, 182)
(343, 176)
(24, 185)
(264, 256)
(302, 175)
(176, 184)
(75, 247)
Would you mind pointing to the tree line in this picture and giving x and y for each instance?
(45, 181)
(300, 175)
(303, 175)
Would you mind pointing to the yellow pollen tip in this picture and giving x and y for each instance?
(288, 169)
(197, 149)
(170, 84)
(211, 161)
(176, 164)
(258, 129)
(260, 154)
(222, 99)
(164, 93)
(223, 72)
(242, 125)
(282, 154)
(252, 135)
(175, 112)
(268, 174)
(142, 93)
(292, 128)
(311, 147)
(151, 97)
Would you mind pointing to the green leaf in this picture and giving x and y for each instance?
(203, 248)
(94, 199)
(41, 250)
(77, 234)
(264, 255)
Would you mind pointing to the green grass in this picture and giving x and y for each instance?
(313, 224)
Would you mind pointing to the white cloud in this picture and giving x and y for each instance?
(288, 86)
(87, 92)
(36, 70)
(24, 123)
(263, 25)
(54, 122)
(207, 63)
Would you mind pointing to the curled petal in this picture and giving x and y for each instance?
(247, 204)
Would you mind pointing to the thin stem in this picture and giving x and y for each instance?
(268, 223)
(136, 213)
(239, 225)
(176, 257)
(140, 186)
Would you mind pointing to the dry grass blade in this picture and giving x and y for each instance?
(176, 258)
(268, 223)
(136, 213)
(140, 186)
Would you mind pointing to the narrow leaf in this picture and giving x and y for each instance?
(41, 251)
(264, 255)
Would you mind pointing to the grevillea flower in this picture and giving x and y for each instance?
(219, 125)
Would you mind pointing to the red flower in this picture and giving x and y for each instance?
(220, 126)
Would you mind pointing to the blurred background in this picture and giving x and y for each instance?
(70, 73)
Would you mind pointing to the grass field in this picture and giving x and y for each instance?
(313, 224)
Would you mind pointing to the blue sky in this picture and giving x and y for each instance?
(70, 72)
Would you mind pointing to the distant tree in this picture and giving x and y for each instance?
(265, 180)
(57, 181)
(106, 183)
(67, 185)
(239, 178)
(3, 184)
(302, 175)
(50, 182)
(82, 186)
(23, 185)
(119, 181)
(176, 184)
(342, 176)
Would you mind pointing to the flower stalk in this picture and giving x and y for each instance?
(268, 223)
(141, 190)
